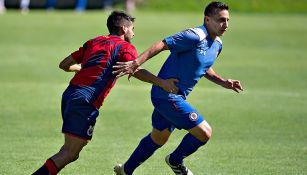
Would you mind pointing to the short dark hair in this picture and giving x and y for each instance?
(215, 6)
(118, 19)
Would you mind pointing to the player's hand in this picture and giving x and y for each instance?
(169, 85)
(233, 84)
(124, 68)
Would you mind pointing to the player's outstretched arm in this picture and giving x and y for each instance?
(124, 68)
(151, 52)
(168, 85)
(68, 64)
(229, 83)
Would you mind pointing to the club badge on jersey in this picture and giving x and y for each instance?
(193, 116)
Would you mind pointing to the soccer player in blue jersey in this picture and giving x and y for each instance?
(192, 54)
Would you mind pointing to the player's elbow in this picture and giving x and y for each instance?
(63, 66)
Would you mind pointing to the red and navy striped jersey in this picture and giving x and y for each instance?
(97, 56)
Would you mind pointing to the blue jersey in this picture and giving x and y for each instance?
(193, 52)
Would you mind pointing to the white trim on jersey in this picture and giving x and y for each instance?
(219, 39)
(203, 34)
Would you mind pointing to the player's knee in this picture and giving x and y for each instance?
(208, 133)
(203, 132)
(204, 135)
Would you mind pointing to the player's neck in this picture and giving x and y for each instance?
(211, 34)
(120, 36)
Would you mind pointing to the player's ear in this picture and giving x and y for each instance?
(124, 29)
(206, 20)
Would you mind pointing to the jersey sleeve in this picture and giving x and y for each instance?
(128, 53)
(78, 54)
(182, 41)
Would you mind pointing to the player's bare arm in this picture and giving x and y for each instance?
(168, 84)
(229, 83)
(69, 65)
(124, 68)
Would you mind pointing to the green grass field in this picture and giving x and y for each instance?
(261, 131)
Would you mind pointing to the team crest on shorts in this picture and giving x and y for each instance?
(193, 116)
(90, 130)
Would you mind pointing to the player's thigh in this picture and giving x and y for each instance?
(160, 123)
(65, 98)
(79, 119)
(178, 112)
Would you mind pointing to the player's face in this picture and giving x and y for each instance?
(129, 33)
(218, 23)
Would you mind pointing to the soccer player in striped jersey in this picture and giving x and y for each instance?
(91, 84)
(192, 54)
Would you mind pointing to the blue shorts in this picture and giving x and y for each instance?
(174, 112)
(79, 116)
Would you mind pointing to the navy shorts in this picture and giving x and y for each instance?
(79, 116)
(174, 112)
